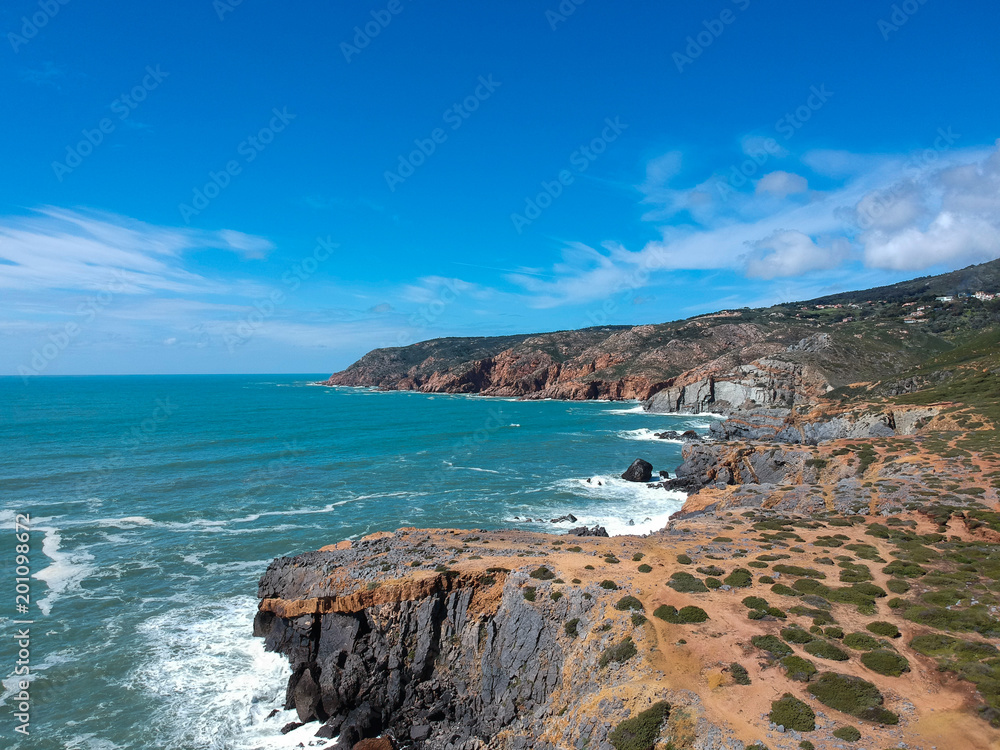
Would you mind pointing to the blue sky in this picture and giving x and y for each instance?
(265, 187)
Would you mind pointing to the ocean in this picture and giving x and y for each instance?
(156, 503)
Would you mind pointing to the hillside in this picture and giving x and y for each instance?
(833, 341)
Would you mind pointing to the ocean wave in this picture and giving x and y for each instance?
(645, 434)
(64, 575)
(475, 468)
(210, 683)
(619, 506)
(637, 409)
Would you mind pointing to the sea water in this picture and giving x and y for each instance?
(157, 502)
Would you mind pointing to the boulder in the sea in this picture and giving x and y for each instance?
(690, 435)
(639, 471)
(291, 727)
(568, 517)
(664, 474)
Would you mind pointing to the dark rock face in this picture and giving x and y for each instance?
(431, 671)
(639, 471)
(584, 531)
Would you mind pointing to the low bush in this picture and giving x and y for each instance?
(685, 583)
(542, 574)
(782, 590)
(795, 634)
(711, 570)
(739, 673)
(645, 568)
(772, 644)
(766, 580)
(529, 593)
(791, 713)
(713, 583)
(638, 619)
(618, 653)
(571, 627)
(798, 669)
(755, 602)
(860, 642)
(609, 585)
(834, 632)
(756, 564)
(685, 616)
(934, 644)
(637, 557)
(684, 560)
(641, 731)
(848, 734)
(897, 586)
(629, 603)
(796, 572)
(739, 579)
(885, 629)
(885, 662)
(826, 650)
(851, 695)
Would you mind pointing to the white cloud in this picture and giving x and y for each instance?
(782, 184)
(791, 253)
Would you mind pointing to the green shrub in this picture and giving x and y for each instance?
(853, 696)
(756, 564)
(934, 644)
(739, 579)
(795, 634)
(783, 590)
(529, 593)
(848, 734)
(798, 669)
(826, 650)
(739, 673)
(791, 713)
(796, 572)
(571, 627)
(756, 614)
(629, 603)
(556, 596)
(638, 619)
(885, 629)
(860, 642)
(713, 583)
(645, 568)
(766, 580)
(686, 583)
(642, 731)
(637, 557)
(684, 559)
(686, 615)
(711, 570)
(772, 644)
(755, 602)
(620, 652)
(834, 632)
(806, 745)
(897, 586)
(885, 662)
(542, 574)
(609, 585)
(904, 569)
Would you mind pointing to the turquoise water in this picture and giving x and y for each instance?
(158, 501)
